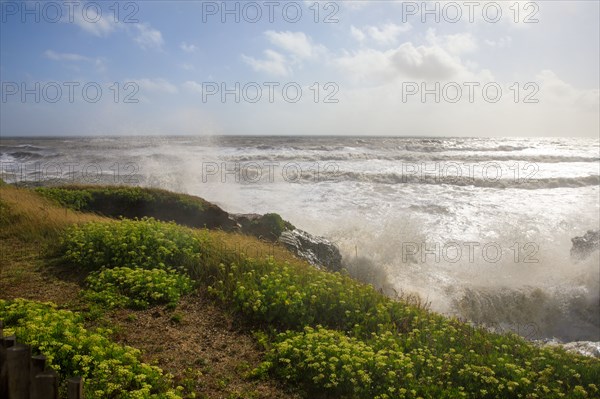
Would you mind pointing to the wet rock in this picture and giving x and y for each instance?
(583, 246)
(585, 348)
(268, 227)
(316, 250)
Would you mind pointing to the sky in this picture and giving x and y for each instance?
(410, 68)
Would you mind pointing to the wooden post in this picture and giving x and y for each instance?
(5, 343)
(75, 388)
(45, 385)
(18, 365)
(38, 365)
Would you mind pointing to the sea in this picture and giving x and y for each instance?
(477, 228)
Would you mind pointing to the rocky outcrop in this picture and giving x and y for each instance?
(584, 246)
(268, 227)
(316, 250)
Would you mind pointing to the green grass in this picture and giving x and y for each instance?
(27, 216)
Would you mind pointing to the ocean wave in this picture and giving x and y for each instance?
(25, 155)
(4, 148)
(569, 313)
(430, 209)
(403, 157)
(398, 178)
(442, 148)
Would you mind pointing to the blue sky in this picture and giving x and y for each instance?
(363, 72)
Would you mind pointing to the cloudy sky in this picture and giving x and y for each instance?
(478, 68)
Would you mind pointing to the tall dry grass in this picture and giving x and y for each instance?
(27, 216)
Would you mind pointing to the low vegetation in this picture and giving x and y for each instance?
(146, 243)
(136, 288)
(323, 333)
(110, 370)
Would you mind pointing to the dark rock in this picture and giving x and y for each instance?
(316, 250)
(138, 202)
(584, 246)
(243, 221)
(268, 227)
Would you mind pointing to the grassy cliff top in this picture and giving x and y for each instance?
(318, 333)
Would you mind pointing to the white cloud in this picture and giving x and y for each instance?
(406, 61)
(355, 5)
(148, 37)
(299, 47)
(296, 43)
(331, 9)
(503, 42)
(187, 67)
(53, 55)
(365, 63)
(104, 25)
(99, 63)
(188, 48)
(557, 91)
(95, 24)
(273, 64)
(388, 33)
(458, 43)
(357, 33)
(192, 86)
(155, 85)
(555, 86)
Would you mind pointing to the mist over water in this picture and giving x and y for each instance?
(480, 228)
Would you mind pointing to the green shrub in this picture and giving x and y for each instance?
(328, 362)
(110, 370)
(136, 288)
(268, 292)
(74, 199)
(145, 243)
(138, 202)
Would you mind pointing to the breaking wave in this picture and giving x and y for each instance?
(399, 178)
